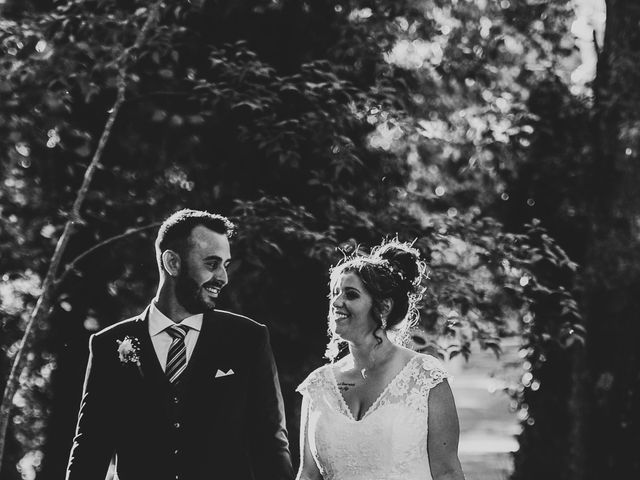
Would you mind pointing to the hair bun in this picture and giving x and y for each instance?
(402, 257)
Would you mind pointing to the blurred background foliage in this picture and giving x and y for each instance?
(320, 127)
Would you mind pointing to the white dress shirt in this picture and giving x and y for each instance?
(158, 323)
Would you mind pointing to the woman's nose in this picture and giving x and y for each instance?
(336, 300)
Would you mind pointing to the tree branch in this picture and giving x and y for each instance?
(139, 98)
(71, 266)
(44, 303)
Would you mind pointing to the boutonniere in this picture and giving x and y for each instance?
(129, 351)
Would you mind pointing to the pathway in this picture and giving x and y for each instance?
(487, 426)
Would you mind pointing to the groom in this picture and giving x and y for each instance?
(183, 391)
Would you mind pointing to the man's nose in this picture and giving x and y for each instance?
(222, 276)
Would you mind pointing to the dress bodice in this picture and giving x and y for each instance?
(389, 442)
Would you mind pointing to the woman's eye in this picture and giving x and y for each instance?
(351, 295)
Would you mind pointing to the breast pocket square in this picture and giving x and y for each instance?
(221, 373)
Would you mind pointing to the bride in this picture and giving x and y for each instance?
(383, 412)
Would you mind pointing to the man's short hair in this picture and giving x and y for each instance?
(175, 230)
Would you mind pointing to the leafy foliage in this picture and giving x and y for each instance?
(318, 126)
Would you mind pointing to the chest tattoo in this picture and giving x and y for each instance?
(344, 386)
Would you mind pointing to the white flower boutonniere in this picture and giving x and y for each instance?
(129, 350)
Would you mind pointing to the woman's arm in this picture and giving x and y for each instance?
(444, 434)
(308, 469)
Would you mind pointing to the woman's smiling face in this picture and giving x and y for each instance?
(351, 313)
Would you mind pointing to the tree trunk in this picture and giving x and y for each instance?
(612, 268)
(43, 306)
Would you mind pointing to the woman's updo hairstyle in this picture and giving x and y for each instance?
(393, 270)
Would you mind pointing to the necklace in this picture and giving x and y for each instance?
(376, 363)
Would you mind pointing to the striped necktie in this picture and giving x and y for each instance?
(177, 356)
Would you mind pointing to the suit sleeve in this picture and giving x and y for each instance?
(270, 449)
(93, 444)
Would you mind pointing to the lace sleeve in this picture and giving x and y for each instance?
(428, 373)
(432, 373)
(311, 384)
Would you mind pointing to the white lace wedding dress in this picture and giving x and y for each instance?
(389, 442)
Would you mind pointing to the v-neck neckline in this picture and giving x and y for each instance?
(343, 403)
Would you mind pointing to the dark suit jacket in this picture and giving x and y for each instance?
(207, 427)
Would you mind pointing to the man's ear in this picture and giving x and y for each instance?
(171, 262)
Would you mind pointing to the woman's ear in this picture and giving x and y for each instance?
(171, 262)
(386, 306)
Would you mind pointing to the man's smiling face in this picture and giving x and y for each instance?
(203, 270)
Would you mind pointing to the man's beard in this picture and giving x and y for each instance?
(188, 294)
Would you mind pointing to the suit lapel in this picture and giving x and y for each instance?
(152, 372)
(206, 352)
